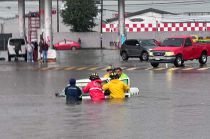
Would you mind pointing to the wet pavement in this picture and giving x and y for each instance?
(174, 103)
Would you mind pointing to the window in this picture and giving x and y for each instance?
(135, 42)
(148, 42)
(68, 42)
(131, 42)
(128, 42)
(188, 42)
(14, 41)
(62, 42)
(173, 42)
(136, 20)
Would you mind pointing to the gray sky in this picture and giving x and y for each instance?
(9, 8)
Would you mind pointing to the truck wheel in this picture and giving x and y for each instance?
(155, 65)
(124, 56)
(178, 61)
(203, 58)
(144, 56)
(9, 57)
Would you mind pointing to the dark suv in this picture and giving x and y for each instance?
(138, 48)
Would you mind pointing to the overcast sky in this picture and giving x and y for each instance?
(10, 9)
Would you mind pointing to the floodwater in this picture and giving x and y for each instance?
(171, 104)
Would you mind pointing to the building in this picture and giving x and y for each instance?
(157, 20)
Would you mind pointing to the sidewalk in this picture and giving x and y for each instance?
(4, 55)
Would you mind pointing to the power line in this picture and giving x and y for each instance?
(166, 3)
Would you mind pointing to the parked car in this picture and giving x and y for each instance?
(196, 38)
(67, 45)
(138, 48)
(11, 48)
(178, 49)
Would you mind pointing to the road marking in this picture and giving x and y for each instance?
(159, 69)
(57, 68)
(104, 69)
(173, 69)
(187, 69)
(93, 68)
(129, 69)
(149, 68)
(69, 68)
(82, 68)
(201, 69)
(46, 68)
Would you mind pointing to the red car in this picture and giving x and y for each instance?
(176, 50)
(67, 45)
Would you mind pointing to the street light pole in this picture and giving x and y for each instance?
(101, 43)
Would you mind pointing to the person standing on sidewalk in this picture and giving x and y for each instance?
(30, 50)
(17, 49)
(44, 51)
(35, 53)
(41, 45)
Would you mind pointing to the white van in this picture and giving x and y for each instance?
(11, 48)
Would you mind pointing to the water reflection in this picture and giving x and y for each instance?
(95, 119)
(117, 101)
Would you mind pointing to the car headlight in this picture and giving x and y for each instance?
(151, 53)
(169, 53)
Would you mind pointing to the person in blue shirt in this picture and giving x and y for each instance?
(72, 92)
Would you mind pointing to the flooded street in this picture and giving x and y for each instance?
(173, 103)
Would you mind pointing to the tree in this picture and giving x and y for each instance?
(80, 14)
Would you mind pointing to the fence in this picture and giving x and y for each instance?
(110, 39)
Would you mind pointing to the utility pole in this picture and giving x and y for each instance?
(101, 24)
(48, 21)
(42, 16)
(21, 18)
(58, 16)
(121, 20)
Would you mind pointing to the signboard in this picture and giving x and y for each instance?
(51, 54)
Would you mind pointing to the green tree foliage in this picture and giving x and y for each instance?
(79, 14)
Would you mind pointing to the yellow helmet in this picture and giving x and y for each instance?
(110, 68)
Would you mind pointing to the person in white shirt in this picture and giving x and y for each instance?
(30, 50)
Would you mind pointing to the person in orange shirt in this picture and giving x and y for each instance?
(116, 87)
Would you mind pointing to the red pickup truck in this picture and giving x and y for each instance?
(177, 50)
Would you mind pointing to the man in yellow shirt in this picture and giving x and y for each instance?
(116, 87)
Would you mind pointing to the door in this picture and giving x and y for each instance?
(188, 49)
(130, 47)
(137, 49)
(62, 45)
(68, 44)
